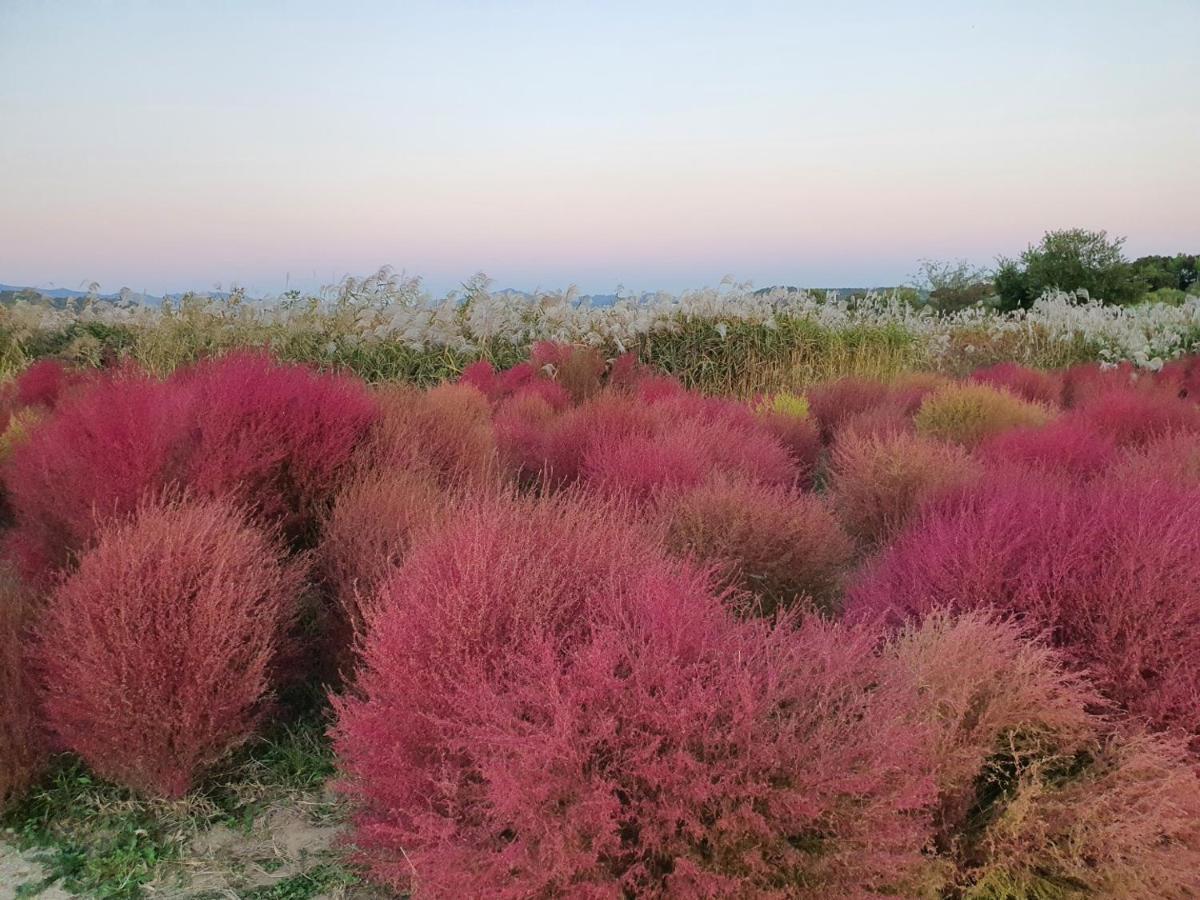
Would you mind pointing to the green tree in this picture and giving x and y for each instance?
(1072, 259)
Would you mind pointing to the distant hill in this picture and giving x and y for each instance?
(61, 297)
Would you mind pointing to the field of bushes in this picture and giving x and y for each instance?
(761, 596)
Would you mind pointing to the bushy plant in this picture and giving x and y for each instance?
(779, 545)
(1066, 447)
(550, 708)
(274, 436)
(1171, 457)
(969, 413)
(96, 457)
(878, 481)
(833, 402)
(1029, 384)
(369, 529)
(1110, 570)
(1121, 821)
(446, 431)
(1135, 417)
(786, 417)
(157, 652)
(43, 383)
(22, 744)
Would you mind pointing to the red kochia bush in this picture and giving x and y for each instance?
(366, 535)
(1172, 457)
(1066, 447)
(1112, 570)
(832, 402)
(445, 431)
(550, 708)
(1029, 384)
(1135, 417)
(276, 436)
(43, 383)
(879, 481)
(776, 543)
(157, 651)
(96, 457)
(22, 747)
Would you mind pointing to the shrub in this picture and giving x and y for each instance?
(1133, 417)
(1065, 447)
(879, 481)
(369, 529)
(579, 370)
(549, 708)
(1029, 384)
(1111, 570)
(682, 454)
(785, 416)
(22, 748)
(909, 389)
(43, 383)
(985, 683)
(1084, 381)
(275, 436)
(878, 422)
(773, 542)
(969, 413)
(1171, 457)
(1127, 824)
(833, 402)
(157, 651)
(96, 457)
(446, 431)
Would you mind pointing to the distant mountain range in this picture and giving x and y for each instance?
(64, 296)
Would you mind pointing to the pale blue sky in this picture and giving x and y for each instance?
(172, 145)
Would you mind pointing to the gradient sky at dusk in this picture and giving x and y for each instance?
(174, 145)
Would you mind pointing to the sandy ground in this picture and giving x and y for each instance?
(18, 868)
(284, 841)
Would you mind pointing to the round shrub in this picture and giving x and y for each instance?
(370, 527)
(1064, 447)
(878, 481)
(1110, 570)
(446, 431)
(969, 413)
(773, 542)
(157, 652)
(1171, 457)
(550, 708)
(96, 457)
(833, 402)
(908, 390)
(22, 747)
(785, 416)
(1135, 417)
(276, 437)
(1033, 385)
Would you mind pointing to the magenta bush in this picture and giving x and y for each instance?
(550, 708)
(1028, 384)
(97, 456)
(1067, 447)
(1111, 570)
(157, 653)
(276, 437)
(1135, 417)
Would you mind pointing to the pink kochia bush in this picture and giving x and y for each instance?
(271, 435)
(1029, 384)
(157, 652)
(549, 707)
(1135, 417)
(878, 482)
(22, 744)
(96, 457)
(780, 545)
(1110, 570)
(1066, 447)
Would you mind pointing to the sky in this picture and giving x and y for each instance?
(173, 145)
